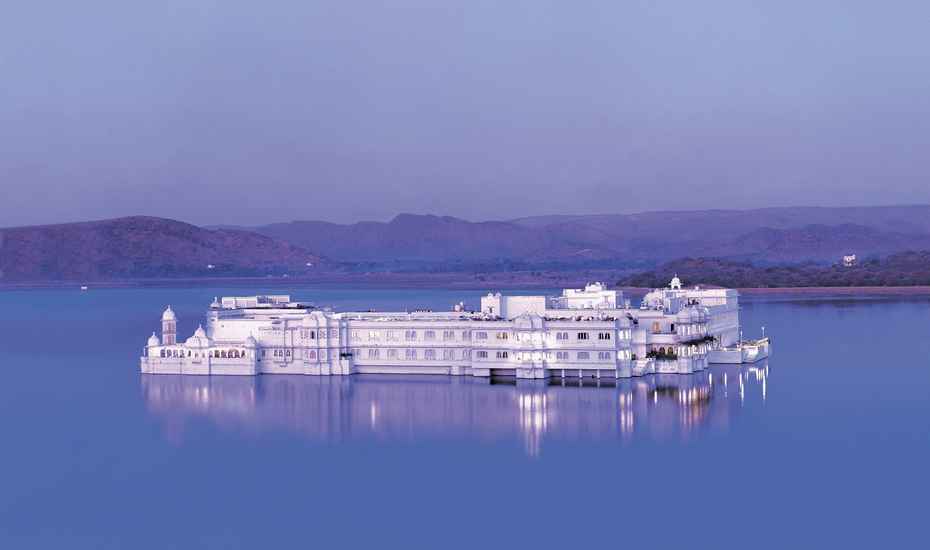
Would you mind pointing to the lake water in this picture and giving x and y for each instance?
(826, 445)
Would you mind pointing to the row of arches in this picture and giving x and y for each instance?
(227, 354)
(215, 354)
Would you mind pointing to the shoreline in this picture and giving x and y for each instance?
(450, 281)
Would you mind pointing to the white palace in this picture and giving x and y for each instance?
(590, 332)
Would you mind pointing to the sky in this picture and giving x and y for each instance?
(246, 112)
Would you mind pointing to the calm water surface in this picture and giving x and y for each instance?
(825, 445)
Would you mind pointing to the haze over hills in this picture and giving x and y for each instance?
(146, 247)
(140, 247)
(789, 234)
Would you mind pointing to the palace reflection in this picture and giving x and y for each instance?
(410, 408)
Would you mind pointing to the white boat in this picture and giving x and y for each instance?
(747, 351)
(83, 288)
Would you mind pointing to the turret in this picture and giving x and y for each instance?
(169, 327)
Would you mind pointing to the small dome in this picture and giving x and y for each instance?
(168, 315)
(676, 283)
(198, 340)
(153, 341)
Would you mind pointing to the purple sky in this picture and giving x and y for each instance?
(229, 111)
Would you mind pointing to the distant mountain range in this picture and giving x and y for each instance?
(774, 235)
(145, 247)
(141, 247)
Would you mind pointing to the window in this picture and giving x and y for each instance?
(502, 355)
(313, 335)
(603, 336)
(410, 354)
(503, 335)
(430, 354)
(582, 335)
(481, 354)
(410, 335)
(448, 354)
(561, 336)
(430, 335)
(355, 335)
(312, 354)
(561, 355)
(373, 353)
(448, 335)
(392, 354)
(481, 335)
(603, 355)
(465, 335)
(374, 335)
(583, 356)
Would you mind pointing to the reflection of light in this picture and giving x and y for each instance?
(335, 408)
(533, 420)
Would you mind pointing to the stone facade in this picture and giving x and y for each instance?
(588, 332)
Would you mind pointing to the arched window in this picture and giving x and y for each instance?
(223, 354)
(312, 354)
(162, 353)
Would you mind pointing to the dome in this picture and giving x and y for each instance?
(675, 284)
(198, 340)
(153, 341)
(168, 315)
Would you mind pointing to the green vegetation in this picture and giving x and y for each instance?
(904, 269)
(662, 354)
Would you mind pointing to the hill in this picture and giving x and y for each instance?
(773, 235)
(903, 269)
(141, 247)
